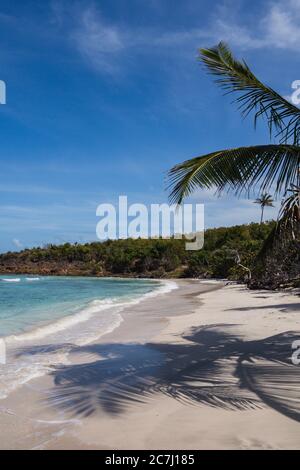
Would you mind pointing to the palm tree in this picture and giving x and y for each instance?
(246, 169)
(265, 200)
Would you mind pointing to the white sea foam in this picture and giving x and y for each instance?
(32, 278)
(68, 321)
(11, 279)
(94, 307)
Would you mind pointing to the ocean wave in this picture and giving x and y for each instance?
(63, 334)
(32, 279)
(63, 323)
(166, 286)
(11, 279)
(93, 308)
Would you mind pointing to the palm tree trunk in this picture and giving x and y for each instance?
(262, 214)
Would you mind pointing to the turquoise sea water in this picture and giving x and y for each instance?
(42, 318)
(27, 302)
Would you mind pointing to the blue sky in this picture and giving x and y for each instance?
(103, 97)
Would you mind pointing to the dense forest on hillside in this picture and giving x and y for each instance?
(227, 253)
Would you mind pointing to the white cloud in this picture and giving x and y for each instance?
(104, 45)
(97, 41)
(17, 243)
(228, 212)
(282, 24)
(278, 27)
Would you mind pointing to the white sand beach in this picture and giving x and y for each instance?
(206, 366)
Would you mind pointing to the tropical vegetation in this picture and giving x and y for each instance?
(253, 169)
(226, 253)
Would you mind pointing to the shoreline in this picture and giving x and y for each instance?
(71, 325)
(176, 362)
(31, 333)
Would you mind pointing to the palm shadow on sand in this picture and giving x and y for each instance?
(212, 367)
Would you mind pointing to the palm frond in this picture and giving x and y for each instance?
(264, 200)
(236, 76)
(289, 214)
(238, 170)
(287, 227)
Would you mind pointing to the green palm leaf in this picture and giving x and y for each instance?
(236, 76)
(265, 200)
(238, 170)
(289, 214)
